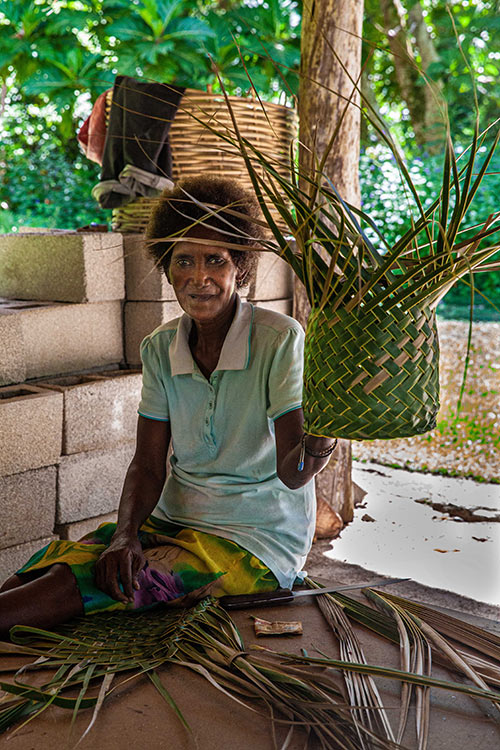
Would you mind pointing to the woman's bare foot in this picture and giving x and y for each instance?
(17, 580)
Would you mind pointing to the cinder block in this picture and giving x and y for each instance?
(31, 428)
(27, 505)
(284, 306)
(99, 412)
(90, 484)
(12, 558)
(58, 338)
(274, 279)
(143, 279)
(62, 266)
(75, 531)
(140, 319)
(12, 363)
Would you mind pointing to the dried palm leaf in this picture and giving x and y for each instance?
(362, 690)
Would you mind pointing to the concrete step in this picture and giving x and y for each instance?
(28, 506)
(47, 338)
(100, 411)
(31, 428)
(143, 280)
(140, 319)
(62, 266)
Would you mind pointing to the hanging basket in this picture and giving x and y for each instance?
(195, 149)
(371, 375)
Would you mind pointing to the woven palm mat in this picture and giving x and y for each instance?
(371, 375)
(93, 655)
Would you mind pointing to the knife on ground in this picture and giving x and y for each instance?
(286, 596)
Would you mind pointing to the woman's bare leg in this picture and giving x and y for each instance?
(44, 602)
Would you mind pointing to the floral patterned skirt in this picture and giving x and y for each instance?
(183, 565)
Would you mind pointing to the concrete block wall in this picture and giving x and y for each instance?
(273, 284)
(65, 446)
(61, 312)
(49, 339)
(28, 505)
(31, 433)
(67, 413)
(140, 319)
(99, 409)
(144, 281)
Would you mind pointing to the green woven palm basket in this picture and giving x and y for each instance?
(371, 375)
(371, 361)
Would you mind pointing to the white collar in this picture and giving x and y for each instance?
(235, 352)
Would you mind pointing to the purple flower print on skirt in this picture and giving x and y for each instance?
(156, 586)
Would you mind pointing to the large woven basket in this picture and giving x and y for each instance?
(195, 149)
(371, 375)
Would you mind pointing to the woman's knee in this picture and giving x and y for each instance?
(12, 583)
(61, 574)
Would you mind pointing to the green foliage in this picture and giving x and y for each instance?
(40, 184)
(476, 25)
(57, 52)
(52, 52)
(385, 198)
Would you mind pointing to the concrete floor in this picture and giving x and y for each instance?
(397, 532)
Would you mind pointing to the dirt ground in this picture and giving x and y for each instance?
(470, 445)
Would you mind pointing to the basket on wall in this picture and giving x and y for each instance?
(197, 149)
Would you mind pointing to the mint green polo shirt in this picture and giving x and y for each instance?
(223, 476)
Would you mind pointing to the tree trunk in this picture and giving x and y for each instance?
(330, 62)
(434, 116)
(421, 97)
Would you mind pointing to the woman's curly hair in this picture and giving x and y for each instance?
(177, 209)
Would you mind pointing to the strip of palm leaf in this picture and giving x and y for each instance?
(479, 648)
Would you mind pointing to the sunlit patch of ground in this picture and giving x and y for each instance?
(470, 445)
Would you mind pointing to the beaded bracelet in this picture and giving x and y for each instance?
(320, 454)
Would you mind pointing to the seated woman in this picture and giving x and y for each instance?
(223, 385)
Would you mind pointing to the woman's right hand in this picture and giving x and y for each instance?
(121, 563)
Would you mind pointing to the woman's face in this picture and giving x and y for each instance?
(204, 279)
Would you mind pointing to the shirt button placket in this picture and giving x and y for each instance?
(208, 416)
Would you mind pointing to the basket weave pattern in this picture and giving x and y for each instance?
(371, 375)
(197, 150)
